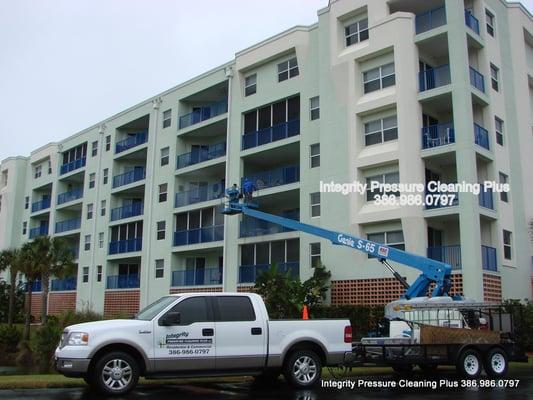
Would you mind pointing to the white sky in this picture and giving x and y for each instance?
(66, 65)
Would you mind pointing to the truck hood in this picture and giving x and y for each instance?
(109, 325)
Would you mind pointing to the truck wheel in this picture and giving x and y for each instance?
(496, 363)
(469, 364)
(116, 373)
(303, 369)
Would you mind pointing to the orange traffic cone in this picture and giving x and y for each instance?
(305, 312)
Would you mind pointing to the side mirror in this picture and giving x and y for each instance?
(171, 318)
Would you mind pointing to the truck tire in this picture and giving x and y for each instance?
(469, 364)
(496, 363)
(303, 369)
(116, 373)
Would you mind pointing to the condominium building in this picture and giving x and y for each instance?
(394, 91)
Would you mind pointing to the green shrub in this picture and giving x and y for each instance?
(522, 313)
(9, 339)
(4, 302)
(25, 358)
(45, 342)
(70, 317)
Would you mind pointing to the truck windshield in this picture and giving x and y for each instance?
(149, 312)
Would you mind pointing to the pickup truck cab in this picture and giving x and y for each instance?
(201, 334)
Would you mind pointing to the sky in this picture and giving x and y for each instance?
(66, 65)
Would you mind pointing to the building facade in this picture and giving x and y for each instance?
(393, 91)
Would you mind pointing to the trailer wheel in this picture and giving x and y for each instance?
(303, 369)
(470, 364)
(496, 363)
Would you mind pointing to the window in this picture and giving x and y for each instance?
(24, 227)
(167, 118)
(499, 130)
(0, 203)
(94, 148)
(193, 309)
(315, 204)
(90, 211)
(504, 196)
(314, 154)
(165, 157)
(250, 85)
(98, 273)
(288, 69)
(105, 176)
(92, 180)
(273, 114)
(507, 246)
(159, 268)
(85, 276)
(356, 32)
(379, 78)
(494, 76)
(391, 177)
(49, 167)
(163, 192)
(381, 130)
(38, 171)
(392, 239)
(101, 240)
(314, 250)
(234, 308)
(26, 202)
(489, 17)
(108, 143)
(102, 208)
(87, 245)
(161, 227)
(314, 108)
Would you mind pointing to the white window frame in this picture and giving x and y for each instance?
(500, 138)
(167, 118)
(380, 77)
(313, 256)
(314, 110)
(94, 148)
(508, 245)
(316, 205)
(101, 240)
(490, 20)
(381, 130)
(163, 190)
(159, 230)
(314, 156)
(285, 67)
(99, 273)
(386, 239)
(250, 85)
(165, 158)
(85, 275)
(383, 179)
(357, 32)
(495, 77)
(87, 243)
(504, 178)
(105, 174)
(108, 143)
(92, 180)
(90, 210)
(26, 202)
(159, 267)
(103, 206)
(38, 171)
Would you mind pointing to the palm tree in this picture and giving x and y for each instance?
(30, 267)
(11, 259)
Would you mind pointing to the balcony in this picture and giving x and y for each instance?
(130, 142)
(40, 205)
(447, 254)
(272, 134)
(488, 258)
(207, 234)
(471, 21)
(73, 165)
(130, 281)
(127, 211)
(71, 195)
(138, 174)
(249, 273)
(251, 227)
(197, 277)
(58, 285)
(198, 195)
(486, 200)
(36, 286)
(39, 231)
(68, 225)
(430, 20)
(437, 135)
(477, 80)
(195, 157)
(275, 177)
(125, 246)
(481, 136)
(203, 114)
(434, 77)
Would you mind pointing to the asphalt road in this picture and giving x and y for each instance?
(280, 391)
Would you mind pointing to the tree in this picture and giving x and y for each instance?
(11, 259)
(30, 267)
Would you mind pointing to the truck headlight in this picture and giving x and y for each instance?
(78, 339)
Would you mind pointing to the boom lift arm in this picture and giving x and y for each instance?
(432, 271)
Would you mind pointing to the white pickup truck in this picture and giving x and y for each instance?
(201, 334)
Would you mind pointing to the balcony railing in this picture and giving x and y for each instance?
(249, 273)
(71, 166)
(130, 281)
(197, 277)
(132, 141)
(250, 227)
(275, 177)
(68, 225)
(198, 195)
(36, 286)
(40, 205)
(39, 231)
(488, 258)
(437, 135)
(195, 157)
(481, 136)
(71, 195)
(471, 21)
(125, 246)
(430, 20)
(64, 284)
(203, 113)
(477, 79)
(128, 211)
(135, 175)
(434, 77)
(207, 234)
(447, 254)
(272, 134)
(486, 199)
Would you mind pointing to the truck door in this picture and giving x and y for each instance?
(189, 343)
(240, 334)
